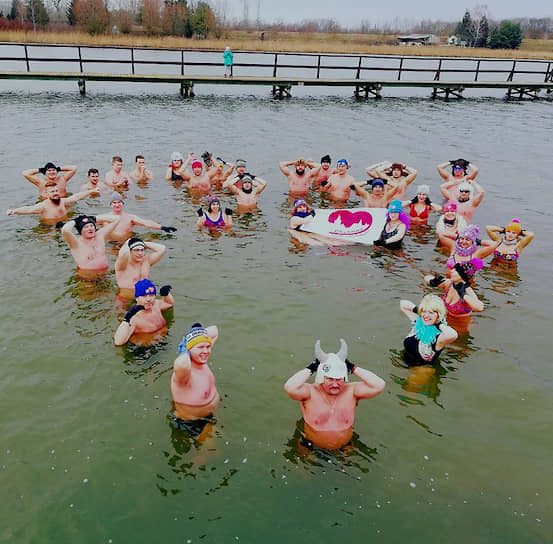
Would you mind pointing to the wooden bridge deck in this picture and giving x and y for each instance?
(282, 85)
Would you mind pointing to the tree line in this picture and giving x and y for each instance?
(190, 18)
(152, 17)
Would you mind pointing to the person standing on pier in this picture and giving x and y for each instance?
(228, 57)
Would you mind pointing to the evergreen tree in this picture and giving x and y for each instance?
(70, 13)
(202, 21)
(465, 30)
(483, 33)
(37, 14)
(13, 10)
(507, 35)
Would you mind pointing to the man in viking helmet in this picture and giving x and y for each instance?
(328, 405)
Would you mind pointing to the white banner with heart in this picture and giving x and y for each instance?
(357, 225)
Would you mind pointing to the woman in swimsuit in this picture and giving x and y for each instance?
(449, 225)
(459, 298)
(397, 225)
(468, 248)
(214, 217)
(176, 168)
(421, 206)
(429, 332)
(510, 245)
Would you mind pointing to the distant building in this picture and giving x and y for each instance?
(418, 39)
(455, 40)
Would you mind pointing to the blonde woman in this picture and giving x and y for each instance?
(429, 332)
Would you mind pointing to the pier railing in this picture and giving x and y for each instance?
(31, 58)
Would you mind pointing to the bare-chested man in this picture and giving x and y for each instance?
(88, 249)
(340, 184)
(126, 220)
(467, 195)
(198, 180)
(133, 263)
(94, 182)
(54, 208)
(398, 175)
(195, 396)
(116, 178)
(140, 174)
(144, 318)
(328, 405)
(220, 174)
(322, 173)
(461, 170)
(50, 172)
(379, 197)
(246, 191)
(299, 177)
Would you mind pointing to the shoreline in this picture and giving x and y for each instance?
(285, 42)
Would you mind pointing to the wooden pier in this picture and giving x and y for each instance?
(367, 75)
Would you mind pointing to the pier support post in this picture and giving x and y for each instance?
(82, 86)
(363, 91)
(187, 90)
(522, 92)
(282, 91)
(446, 92)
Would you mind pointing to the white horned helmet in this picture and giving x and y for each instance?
(332, 365)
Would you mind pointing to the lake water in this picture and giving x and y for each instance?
(87, 452)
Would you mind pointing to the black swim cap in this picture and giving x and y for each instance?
(326, 158)
(83, 220)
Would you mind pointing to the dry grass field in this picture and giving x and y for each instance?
(376, 44)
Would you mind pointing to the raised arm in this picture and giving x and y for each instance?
(157, 252)
(296, 388)
(409, 309)
(472, 300)
(494, 232)
(30, 175)
(182, 366)
(259, 185)
(80, 196)
(445, 189)
(145, 222)
(370, 386)
(442, 170)
(109, 227)
(284, 167)
(69, 171)
(524, 239)
(68, 236)
(360, 191)
(127, 326)
(123, 256)
(26, 210)
(412, 175)
(477, 199)
(447, 335)
(167, 301)
(473, 171)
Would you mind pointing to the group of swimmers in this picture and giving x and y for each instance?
(328, 406)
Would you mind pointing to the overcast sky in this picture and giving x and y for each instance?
(350, 13)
